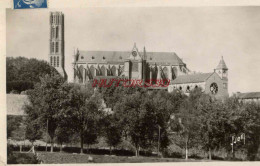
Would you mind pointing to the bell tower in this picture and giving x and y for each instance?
(56, 54)
(222, 69)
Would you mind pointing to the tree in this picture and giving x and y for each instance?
(188, 122)
(33, 130)
(112, 131)
(63, 134)
(251, 126)
(13, 122)
(140, 118)
(82, 111)
(45, 104)
(212, 122)
(22, 73)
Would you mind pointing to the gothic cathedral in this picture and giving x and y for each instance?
(134, 64)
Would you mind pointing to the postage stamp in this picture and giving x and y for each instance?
(29, 4)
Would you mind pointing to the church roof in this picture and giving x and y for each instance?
(249, 95)
(191, 78)
(164, 57)
(120, 56)
(222, 64)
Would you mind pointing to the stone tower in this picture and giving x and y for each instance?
(222, 71)
(56, 55)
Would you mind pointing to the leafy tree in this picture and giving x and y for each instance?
(22, 73)
(45, 103)
(251, 126)
(13, 123)
(141, 119)
(188, 126)
(82, 111)
(213, 123)
(33, 130)
(112, 130)
(63, 134)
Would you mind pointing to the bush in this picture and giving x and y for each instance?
(20, 158)
(22, 73)
(16, 87)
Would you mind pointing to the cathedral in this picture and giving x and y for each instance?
(134, 64)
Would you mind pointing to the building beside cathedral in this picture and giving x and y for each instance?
(214, 83)
(134, 64)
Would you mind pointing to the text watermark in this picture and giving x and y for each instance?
(131, 82)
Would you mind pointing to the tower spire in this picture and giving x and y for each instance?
(222, 69)
(144, 53)
(222, 64)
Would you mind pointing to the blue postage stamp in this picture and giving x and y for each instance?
(30, 4)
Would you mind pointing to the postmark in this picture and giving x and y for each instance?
(29, 4)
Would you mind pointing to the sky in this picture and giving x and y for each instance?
(198, 35)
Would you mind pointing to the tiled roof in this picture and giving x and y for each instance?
(164, 57)
(222, 64)
(191, 78)
(121, 56)
(15, 103)
(249, 95)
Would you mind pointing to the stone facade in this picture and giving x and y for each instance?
(132, 65)
(56, 52)
(214, 83)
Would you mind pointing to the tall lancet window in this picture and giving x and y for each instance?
(58, 62)
(51, 19)
(57, 47)
(54, 62)
(51, 60)
(52, 32)
(57, 32)
(58, 19)
(52, 47)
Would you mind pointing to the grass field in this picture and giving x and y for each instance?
(61, 158)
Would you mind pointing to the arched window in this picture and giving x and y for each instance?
(180, 88)
(52, 47)
(92, 72)
(52, 32)
(52, 18)
(121, 70)
(58, 62)
(81, 76)
(103, 71)
(174, 72)
(113, 71)
(165, 73)
(54, 62)
(188, 89)
(57, 47)
(154, 74)
(51, 60)
(58, 19)
(57, 32)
